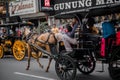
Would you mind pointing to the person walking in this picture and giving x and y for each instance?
(55, 29)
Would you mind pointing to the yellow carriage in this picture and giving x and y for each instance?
(11, 40)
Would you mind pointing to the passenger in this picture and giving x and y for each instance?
(68, 38)
(4, 34)
(55, 29)
(108, 30)
(92, 28)
(69, 29)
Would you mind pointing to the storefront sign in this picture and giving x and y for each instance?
(70, 6)
(23, 7)
(46, 5)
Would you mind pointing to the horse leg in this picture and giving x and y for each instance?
(39, 61)
(29, 56)
(50, 60)
(28, 66)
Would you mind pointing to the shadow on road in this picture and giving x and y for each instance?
(10, 57)
(91, 77)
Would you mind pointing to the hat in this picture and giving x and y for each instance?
(77, 17)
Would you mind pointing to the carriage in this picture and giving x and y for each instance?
(90, 47)
(87, 52)
(11, 42)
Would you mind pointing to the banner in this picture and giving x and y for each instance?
(71, 6)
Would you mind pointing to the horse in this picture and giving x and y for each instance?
(42, 40)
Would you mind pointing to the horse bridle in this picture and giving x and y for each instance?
(32, 33)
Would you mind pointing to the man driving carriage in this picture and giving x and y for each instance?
(68, 38)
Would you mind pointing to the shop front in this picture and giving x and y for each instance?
(28, 10)
(36, 11)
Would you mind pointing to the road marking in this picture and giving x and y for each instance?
(34, 76)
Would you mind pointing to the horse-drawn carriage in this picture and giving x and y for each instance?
(90, 47)
(11, 41)
(83, 56)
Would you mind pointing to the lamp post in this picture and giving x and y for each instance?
(7, 15)
(7, 10)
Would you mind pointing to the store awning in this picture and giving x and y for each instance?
(34, 16)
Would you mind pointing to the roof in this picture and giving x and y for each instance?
(16, 24)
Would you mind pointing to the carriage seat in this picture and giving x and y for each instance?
(89, 39)
(61, 46)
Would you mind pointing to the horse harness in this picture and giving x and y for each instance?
(41, 41)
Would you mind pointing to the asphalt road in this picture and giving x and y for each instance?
(10, 69)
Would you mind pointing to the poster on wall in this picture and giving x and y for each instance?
(23, 7)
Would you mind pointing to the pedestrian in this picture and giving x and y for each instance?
(108, 29)
(108, 34)
(55, 29)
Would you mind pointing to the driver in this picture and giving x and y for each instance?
(68, 38)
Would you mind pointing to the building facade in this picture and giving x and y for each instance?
(36, 11)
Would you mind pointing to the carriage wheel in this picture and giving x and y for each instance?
(65, 68)
(87, 64)
(1, 52)
(34, 55)
(114, 66)
(19, 50)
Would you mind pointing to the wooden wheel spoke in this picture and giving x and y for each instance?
(19, 50)
(1, 52)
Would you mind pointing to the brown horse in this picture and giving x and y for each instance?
(43, 40)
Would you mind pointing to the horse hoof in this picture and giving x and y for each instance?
(46, 71)
(27, 68)
(42, 67)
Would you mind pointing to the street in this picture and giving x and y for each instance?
(10, 69)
